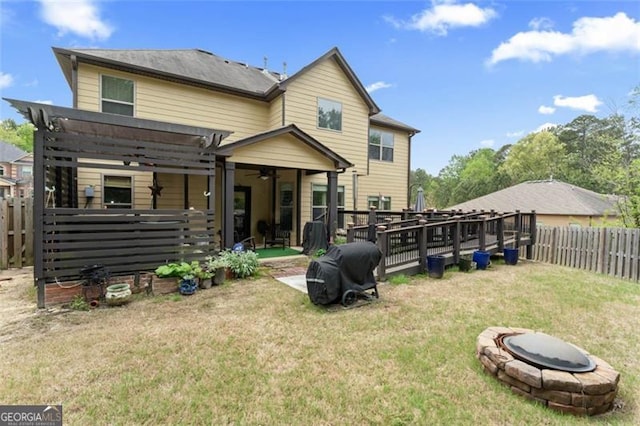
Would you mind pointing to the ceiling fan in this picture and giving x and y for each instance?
(265, 173)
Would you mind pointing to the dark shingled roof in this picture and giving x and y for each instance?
(382, 120)
(551, 197)
(10, 153)
(202, 68)
(195, 65)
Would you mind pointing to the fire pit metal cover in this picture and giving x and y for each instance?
(547, 351)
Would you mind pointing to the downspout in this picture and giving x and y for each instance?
(409, 172)
(74, 80)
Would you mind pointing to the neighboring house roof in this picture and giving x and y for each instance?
(10, 153)
(7, 181)
(291, 129)
(550, 197)
(202, 68)
(382, 120)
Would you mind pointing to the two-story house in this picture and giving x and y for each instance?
(289, 136)
(15, 171)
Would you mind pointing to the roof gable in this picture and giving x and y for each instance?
(545, 197)
(334, 54)
(293, 130)
(10, 153)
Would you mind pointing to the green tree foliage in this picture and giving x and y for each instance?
(537, 156)
(600, 154)
(20, 135)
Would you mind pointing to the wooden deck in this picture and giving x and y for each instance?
(406, 244)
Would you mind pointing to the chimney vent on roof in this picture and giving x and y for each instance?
(284, 71)
(264, 69)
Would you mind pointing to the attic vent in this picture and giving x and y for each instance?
(204, 51)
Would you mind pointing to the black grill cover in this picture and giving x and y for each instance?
(314, 237)
(323, 281)
(344, 267)
(356, 262)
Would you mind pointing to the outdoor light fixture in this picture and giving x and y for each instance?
(264, 177)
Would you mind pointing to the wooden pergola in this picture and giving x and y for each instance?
(68, 237)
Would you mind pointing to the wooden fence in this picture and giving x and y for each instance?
(16, 233)
(611, 251)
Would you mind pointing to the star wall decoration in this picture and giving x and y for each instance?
(156, 188)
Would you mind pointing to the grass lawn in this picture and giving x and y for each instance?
(258, 352)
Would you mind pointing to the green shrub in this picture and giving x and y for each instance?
(243, 264)
(340, 240)
(78, 303)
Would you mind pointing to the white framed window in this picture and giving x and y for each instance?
(26, 171)
(319, 201)
(117, 192)
(286, 206)
(1, 171)
(329, 114)
(380, 145)
(380, 202)
(117, 95)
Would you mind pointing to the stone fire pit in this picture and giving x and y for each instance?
(579, 393)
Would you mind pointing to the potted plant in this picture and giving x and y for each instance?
(202, 274)
(243, 264)
(183, 272)
(216, 266)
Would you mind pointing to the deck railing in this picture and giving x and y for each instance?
(405, 244)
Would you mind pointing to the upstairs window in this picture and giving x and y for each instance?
(380, 145)
(117, 192)
(117, 95)
(380, 202)
(329, 114)
(26, 171)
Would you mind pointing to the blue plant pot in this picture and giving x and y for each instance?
(187, 287)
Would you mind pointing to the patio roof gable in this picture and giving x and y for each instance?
(295, 133)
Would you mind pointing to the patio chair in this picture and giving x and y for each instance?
(248, 243)
(276, 236)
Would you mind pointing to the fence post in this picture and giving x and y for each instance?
(482, 233)
(4, 234)
(383, 246)
(533, 233)
(456, 241)
(422, 245)
(350, 232)
(17, 232)
(602, 252)
(500, 233)
(554, 245)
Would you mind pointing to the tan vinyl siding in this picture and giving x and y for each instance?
(387, 178)
(175, 103)
(172, 195)
(141, 196)
(283, 151)
(275, 112)
(327, 80)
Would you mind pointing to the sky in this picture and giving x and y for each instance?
(468, 74)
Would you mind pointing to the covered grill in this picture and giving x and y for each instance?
(344, 273)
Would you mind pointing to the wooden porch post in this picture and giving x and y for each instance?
(332, 201)
(227, 204)
(39, 172)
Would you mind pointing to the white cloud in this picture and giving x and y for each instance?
(487, 143)
(545, 127)
(80, 17)
(377, 86)
(6, 80)
(47, 102)
(614, 33)
(445, 15)
(32, 83)
(546, 110)
(541, 24)
(516, 134)
(587, 103)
